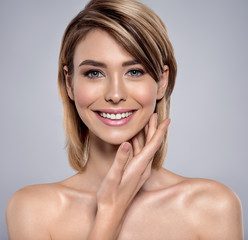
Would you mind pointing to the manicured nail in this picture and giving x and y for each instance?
(126, 147)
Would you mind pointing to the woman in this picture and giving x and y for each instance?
(116, 73)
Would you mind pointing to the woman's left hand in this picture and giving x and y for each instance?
(130, 170)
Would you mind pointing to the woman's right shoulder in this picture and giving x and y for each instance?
(34, 195)
(43, 198)
(31, 210)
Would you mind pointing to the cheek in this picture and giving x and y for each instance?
(146, 94)
(84, 95)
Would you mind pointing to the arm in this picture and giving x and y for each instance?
(125, 178)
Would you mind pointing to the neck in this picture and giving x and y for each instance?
(101, 157)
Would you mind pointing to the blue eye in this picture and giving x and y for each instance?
(93, 74)
(135, 73)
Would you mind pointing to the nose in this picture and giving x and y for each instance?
(115, 91)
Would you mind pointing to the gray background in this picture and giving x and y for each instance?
(208, 132)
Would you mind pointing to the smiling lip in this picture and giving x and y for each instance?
(117, 112)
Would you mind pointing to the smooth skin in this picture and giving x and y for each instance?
(118, 195)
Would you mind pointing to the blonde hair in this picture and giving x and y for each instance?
(143, 34)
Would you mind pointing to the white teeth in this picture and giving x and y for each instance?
(115, 116)
(118, 116)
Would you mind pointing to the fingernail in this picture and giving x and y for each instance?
(126, 147)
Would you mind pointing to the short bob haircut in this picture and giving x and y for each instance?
(142, 34)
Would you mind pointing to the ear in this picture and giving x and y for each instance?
(68, 82)
(163, 83)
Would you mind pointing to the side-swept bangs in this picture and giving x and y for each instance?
(142, 34)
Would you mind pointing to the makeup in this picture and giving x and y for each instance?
(115, 117)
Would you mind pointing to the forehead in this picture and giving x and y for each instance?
(101, 46)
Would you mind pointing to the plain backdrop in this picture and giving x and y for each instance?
(209, 113)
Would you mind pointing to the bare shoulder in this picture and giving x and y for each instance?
(28, 210)
(208, 208)
(210, 191)
(215, 210)
(34, 196)
(45, 211)
(198, 192)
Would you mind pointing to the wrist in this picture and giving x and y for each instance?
(109, 213)
(107, 224)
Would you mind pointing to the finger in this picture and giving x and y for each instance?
(152, 126)
(147, 173)
(157, 139)
(118, 166)
(144, 177)
(146, 130)
(147, 153)
(136, 146)
(131, 154)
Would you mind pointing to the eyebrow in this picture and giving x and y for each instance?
(103, 65)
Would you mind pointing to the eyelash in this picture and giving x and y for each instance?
(139, 71)
(89, 73)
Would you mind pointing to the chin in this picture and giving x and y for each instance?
(116, 135)
(117, 140)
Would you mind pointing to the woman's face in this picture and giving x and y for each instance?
(113, 94)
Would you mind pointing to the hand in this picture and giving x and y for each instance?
(131, 169)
